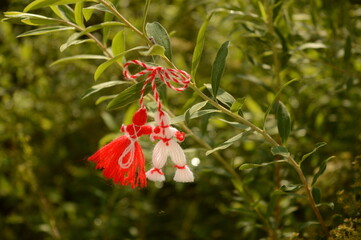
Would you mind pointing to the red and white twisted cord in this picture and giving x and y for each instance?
(166, 75)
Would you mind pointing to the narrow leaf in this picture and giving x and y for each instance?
(316, 194)
(228, 143)
(64, 12)
(275, 100)
(154, 50)
(99, 7)
(291, 188)
(77, 57)
(198, 49)
(98, 87)
(45, 3)
(64, 46)
(45, 30)
(318, 145)
(254, 165)
(321, 170)
(195, 108)
(236, 124)
(263, 11)
(128, 96)
(87, 13)
(283, 122)
(78, 11)
(38, 22)
(222, 95)
(237, 105)
(104, 98)
(118, 44)
(218, 67)
(200, 113)
(160, 36)
(280, 151)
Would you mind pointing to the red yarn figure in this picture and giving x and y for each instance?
(122, 160)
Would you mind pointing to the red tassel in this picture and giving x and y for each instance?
(122, 160)
(107, 158)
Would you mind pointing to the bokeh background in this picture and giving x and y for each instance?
(49, 191)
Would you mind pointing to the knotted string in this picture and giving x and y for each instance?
(130, 149)
(166, 75)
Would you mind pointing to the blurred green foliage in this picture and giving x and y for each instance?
(49, 191)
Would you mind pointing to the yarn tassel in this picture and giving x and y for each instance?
(122, 160)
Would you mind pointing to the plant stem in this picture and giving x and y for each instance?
(315, 209)
(123, 19)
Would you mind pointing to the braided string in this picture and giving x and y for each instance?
(166, 75)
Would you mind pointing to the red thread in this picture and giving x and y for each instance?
(157, 170)
(180, 167)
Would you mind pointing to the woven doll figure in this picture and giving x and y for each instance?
(167, 146)
(122, 160)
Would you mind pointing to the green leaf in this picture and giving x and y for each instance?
(45, 3)
(275, 100)
(228, 143)
(198, 49)
(154, 50)
(106, 30)
(98, 87)
(72, 40)
(283, 122)
(195, 108)
(223, 96)
(102, 67)
(38, 22)
(160, 36)
(99, 7)
(318, 145)
(77, 57)
(237, 105)
(263, 11)
(321, 170)
(118, 43)
(128, 96)
(45, 30)
(28, 18)
(104, 98)
(64, 46)
(218, 67)
(236, 124)
(280, 151)
(200, 113)
(64, 12)
(254, 165)
(21, 15)
(87, 13)
(316, 194)
(78, 11)
(291, 188)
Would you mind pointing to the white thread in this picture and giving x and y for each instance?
(130, 148)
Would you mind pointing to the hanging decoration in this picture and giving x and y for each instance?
(122, 160)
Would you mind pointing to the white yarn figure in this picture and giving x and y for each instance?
(167, 146)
